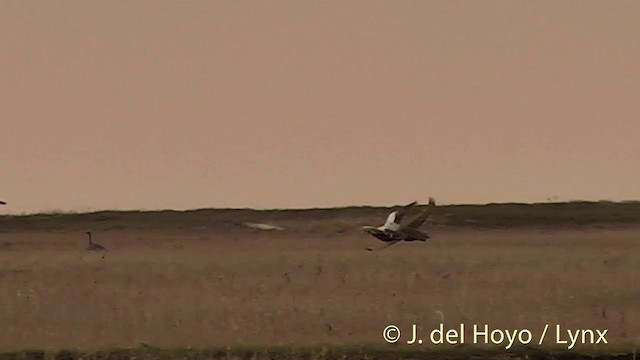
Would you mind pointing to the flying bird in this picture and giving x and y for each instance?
(393, 232)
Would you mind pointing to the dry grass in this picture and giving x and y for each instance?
(197, 287)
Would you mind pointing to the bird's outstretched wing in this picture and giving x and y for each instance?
(2, 202)
(393, 220)
(400, 213)
(420, 219)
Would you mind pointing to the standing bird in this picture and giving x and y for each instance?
(94, 246)
(393, 232)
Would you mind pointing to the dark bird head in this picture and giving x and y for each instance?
(424, 237)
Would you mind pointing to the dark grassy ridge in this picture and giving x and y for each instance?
(319, 353)
(505, 215)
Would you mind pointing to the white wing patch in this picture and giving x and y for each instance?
(391, 223)
(267, 227)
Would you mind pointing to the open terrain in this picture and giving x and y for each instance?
(201, 279)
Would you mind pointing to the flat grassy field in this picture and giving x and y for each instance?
(200, 279)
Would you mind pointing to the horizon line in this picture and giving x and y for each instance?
(144, 210)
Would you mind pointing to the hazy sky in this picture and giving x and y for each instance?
(267, 104)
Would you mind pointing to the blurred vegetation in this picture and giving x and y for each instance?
(317, 353)
(575, 213)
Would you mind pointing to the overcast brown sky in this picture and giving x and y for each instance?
(189, 104)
